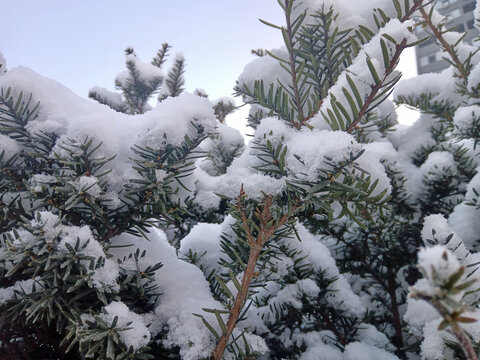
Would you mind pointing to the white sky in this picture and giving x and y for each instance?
(80, 43)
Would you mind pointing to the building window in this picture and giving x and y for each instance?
(469, 7)
(470, 23)
(445, 3)
(424, 61)
(454, 14)
(431, 58)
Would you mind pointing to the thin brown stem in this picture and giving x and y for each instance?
(396, 318)
(464, 342)
(266, 231)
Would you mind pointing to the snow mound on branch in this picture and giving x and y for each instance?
(351, 13)
(21, 287)
(184, 291)
(8, 146)
(71, 117)
(138, 335)
(361, 351)
(266, 69)
(464, 218)
(438, 86)
(146, 72)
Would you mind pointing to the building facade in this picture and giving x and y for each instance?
(461, 19)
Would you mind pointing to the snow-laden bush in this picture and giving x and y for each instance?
(131, 232)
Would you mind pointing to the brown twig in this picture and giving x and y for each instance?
(268, 227)
(450, 318)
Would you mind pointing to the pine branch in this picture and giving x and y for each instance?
(446, 46)
(379, 85)
(174, 82)
(161, 56)
(267, 229)
(289, 42)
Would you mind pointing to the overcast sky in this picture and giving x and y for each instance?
(80, 43)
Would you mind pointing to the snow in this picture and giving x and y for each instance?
(292, 294)
(437, 164)
(360, 73)
(464, 117)
(320, 259)
(147, 72)
(105, 275)
(419, 312)
(436, 227)
(474, 78)
(88, 185)
(445, 264)
(368, 334)
(350, 14)
(3, 64)
(239, 173)
(72, 117)
(109, 97)
(226, 141)
(20, 287)
(49, 229)
(317, 350)
(266, 69)
(317, 149)
(203, 240)
(138, 335)
(225, 100)
(464, 218)
(361, 351)
(440, 85)
(433, 345)
(184, 291)
(8, 147)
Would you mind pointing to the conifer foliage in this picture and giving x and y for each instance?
(167, 238)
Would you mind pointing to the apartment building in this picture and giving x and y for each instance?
(460, 17)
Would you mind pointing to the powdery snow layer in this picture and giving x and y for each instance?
(50, 230)
(360, 73)
(184, 292)
(146, 71)
(350, 14)
(465, 116)
(464, 218)
(443, 261)
(109, 96)
(72, 117)
(8, 147)
(440, 86)
(361, 351)
(310, 155)
(138, 335)
(20, 287)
